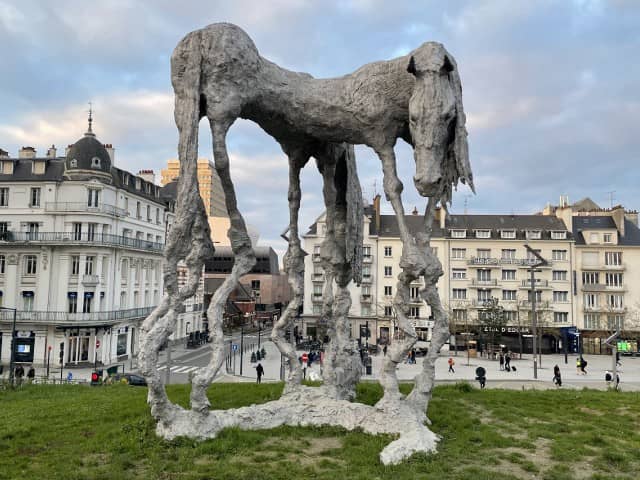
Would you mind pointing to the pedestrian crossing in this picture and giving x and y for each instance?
(179, 368)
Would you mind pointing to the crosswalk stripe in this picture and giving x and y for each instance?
(179, 369)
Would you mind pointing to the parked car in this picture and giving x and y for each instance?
(129, 378)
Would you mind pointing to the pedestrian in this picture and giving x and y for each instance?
(19, 373)
(608, 377)
(583, 365)
(451, 364)
(507, 361)
(413, 355)
(481, 376)
(557, 378)
(501, 360)
(384, 350)
(31, 375)
(618, 363)
(578, 365)
(259, 372)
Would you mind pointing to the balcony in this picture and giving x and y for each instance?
(367, 278)
(90, 280)
(604, 309)
(483, 262)
(316, 257)
(317, 277)
(71, 238)
(540, 284)
(601, 287)
(367, 258)
(76, 319)
(74, 207)
(523, 262)
(364, 298)
(540, 305)
(484, 283)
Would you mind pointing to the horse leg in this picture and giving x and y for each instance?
(294, 266)
(411, 264)
(244, 261)
(342, 366)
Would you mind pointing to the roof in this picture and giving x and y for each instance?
(23, 170)
(223, 259)
(506, 222)
(598, 222)
(88, 154)
(415, 223)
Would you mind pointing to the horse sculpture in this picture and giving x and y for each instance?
(217, 72)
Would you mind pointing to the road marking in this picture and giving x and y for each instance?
(179, 369)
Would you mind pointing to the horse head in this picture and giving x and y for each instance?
(437, 123)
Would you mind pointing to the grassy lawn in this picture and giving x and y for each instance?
(76, 432)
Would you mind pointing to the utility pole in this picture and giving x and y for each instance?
(542, 262)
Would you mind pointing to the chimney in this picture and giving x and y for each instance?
(66, 150)
(440, 216)
(52, 152)
(618, 215)
(632, 216)
(376, 210)
(4, 153)
(564, 201)
(148, 176)
(111, 151)
(27, 152)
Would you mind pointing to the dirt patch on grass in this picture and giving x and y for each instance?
(591, 411)
(323, 444)
(311, 452)
(523, 463)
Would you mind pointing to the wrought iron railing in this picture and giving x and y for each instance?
(83, 207)
(84, 237)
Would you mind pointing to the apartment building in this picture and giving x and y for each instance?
(81, 254)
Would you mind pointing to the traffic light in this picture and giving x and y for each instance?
(61, 352)
(95, 378)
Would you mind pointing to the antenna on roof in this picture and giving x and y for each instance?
(611, 198)
(90, 131)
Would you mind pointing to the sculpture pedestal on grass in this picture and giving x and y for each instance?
(217, 72)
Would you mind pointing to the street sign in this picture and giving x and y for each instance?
(234, 347)
(97, 344)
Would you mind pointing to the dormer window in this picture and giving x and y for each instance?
(560, 235)
(483, 233)
(534, 234)
(37, 167)
(508, 234)
(458, 234)
(95, 162)
(73, 163)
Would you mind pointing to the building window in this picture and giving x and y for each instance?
(484, 295)
(75, 264)
(4, 197)
(615, 322)
(509, 316)
(558, 254)
(366, 271)
(148, 213)
(138, 214)
(365, 310)
(560, 275)
(590, 278)
(388, 290)
(459, 274)
(560, 317)
(388, 311)
(88, 266)
(366, 251)
(483, 275)
(388, 251)
(508, 254)
(27, 301)
(317, 309)
(483, 233)
(35, 197)
(558, 235)
(607, 238)
(317, 290)
(483, 253)
(73, 302)
(508, 234)
(460, 293)
(388, 271)
(77, 231)
(613, 258)
(86, 304)
(590, 300)
(592, 321)
(157, 215)
(414, 293)
(534, 234)
(123, 299)
(30, 264)
(615, 301)
(91, 231)
(33, 229)
(458, 253)
(93, 197)
(508, 295)
(538, 296)
(613, 279)
(508, 274)
(414, 312)
(459, 315)
(560, 296)
(531, 257)
(3, 262)
(4, 228)
(458, 234)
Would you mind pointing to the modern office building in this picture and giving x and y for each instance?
(208, 183)
(81, 254)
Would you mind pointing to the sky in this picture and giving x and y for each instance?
(550, 89)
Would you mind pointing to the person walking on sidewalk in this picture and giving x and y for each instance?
(557, 378)
(501, 359)
(451, 364)
(507, 361)
(259, 372)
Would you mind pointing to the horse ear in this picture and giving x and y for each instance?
(447, 66)
(411, 68)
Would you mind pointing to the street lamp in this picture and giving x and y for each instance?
(542, 262)
(13, 340)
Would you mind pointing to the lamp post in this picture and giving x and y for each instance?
(542, 262)
(13, 340)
